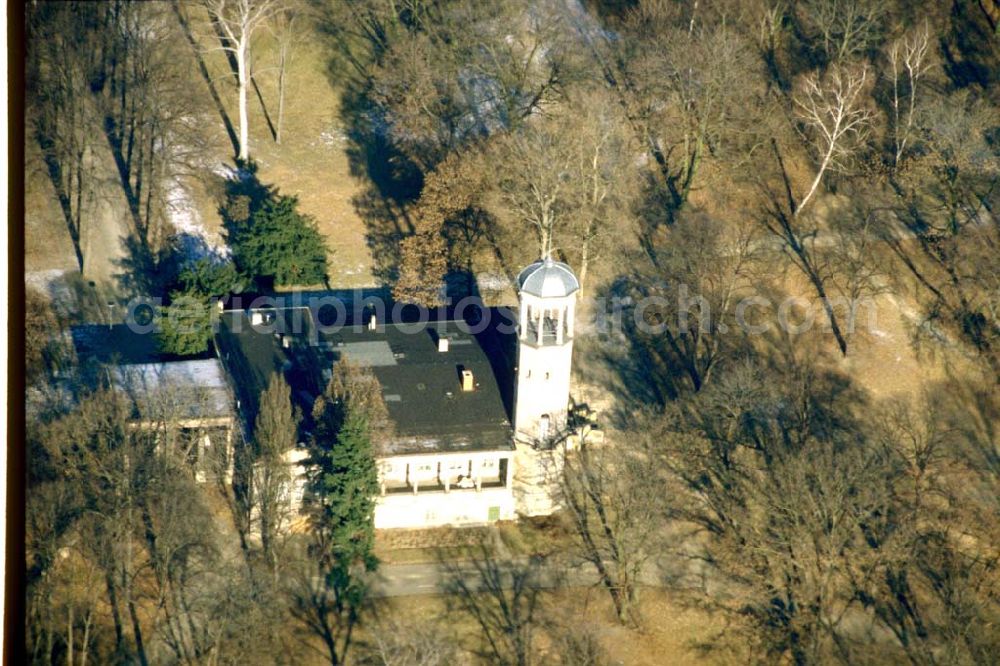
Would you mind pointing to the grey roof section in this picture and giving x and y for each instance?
(181, 389)
(374, 354)
(548, 279)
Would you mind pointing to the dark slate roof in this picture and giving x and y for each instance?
(548, 279)
(421, 385)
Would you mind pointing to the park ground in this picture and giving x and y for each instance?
(318, 162)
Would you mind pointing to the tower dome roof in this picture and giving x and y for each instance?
(547, 278)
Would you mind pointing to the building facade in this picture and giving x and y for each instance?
(419, 491)
(478, 412)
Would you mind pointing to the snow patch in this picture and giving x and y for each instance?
(493, 281)
(51, 282)
(195, 241)
(42, 280)
(332, 137)
(231, 173)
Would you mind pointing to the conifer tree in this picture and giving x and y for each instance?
(348, 485)
(343, 535)
(186, 324)
(278, 242)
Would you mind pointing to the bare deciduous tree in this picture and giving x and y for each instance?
(275, 433)
(568, 177)
(853, 261)
(778, 494)
(844, 28)
(467, 74)
(699, 269)
(578, 645)
(603, 180)
(287, 23)
(835, 120)
(62, 59)
(608, 491)
(532, 179)
(685, 98)
(239, 20)
(908, 63)
(832, 109)
(412, 643)
(355, 388)
(945, 229)
(139, 519)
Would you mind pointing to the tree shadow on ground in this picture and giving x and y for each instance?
(391, 181)
(206, 77)
(145, 271)
(969, 49)
(629, 355)
(67, 191)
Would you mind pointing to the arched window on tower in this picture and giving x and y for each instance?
(543, 427)
(549, 327)
(531, 325)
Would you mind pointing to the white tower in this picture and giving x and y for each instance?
(547, 291)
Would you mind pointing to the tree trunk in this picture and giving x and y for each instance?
(76, 232)
(140, 647)
(241, 60)
(86, 638)
(834, 326)
(127, 580)
(69, 637)
(281, 91)
(115, 614)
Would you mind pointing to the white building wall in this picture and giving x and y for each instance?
(438, 509)
(541, 402)
(543, 383)
(537, 479)
(442, 489)
(544, 364)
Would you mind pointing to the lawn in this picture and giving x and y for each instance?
(312, 161)
(672, 631)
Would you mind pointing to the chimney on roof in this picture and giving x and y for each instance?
(468, 382)
(372, 322)
(442, 344)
